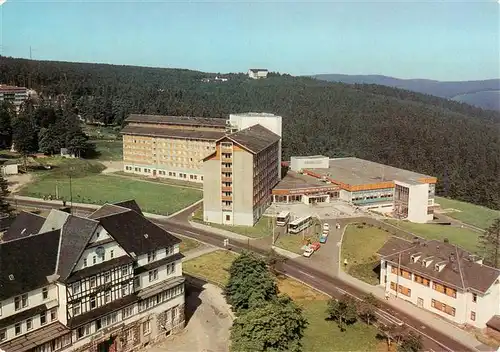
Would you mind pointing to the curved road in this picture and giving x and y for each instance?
(433, 340)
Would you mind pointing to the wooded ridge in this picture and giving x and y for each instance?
(455, 142)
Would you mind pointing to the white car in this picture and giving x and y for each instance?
(308, 252)
(326, 226)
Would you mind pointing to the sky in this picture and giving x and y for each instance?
(440, 40)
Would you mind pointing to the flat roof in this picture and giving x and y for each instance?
(294, 181)
(178, 120)
(354, 171)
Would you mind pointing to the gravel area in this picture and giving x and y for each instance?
(207, 330)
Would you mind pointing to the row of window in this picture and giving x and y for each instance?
(160, 298)
(22, 301)
(401, 289)
(421, 280)
(164, 173)
(27, 325)
(94, 281)
(102, 258)
(173, 143)
(55, 344)
(444, 308)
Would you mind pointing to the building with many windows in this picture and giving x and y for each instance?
(13, 94)
(170, 146)
(109, 282)
(442, 278)
(365, 184)
(239, 176)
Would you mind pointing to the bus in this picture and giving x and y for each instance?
(283, 218)
(300, 224)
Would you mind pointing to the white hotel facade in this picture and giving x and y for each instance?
(442, 278)
(109, 282)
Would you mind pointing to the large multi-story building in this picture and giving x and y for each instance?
(239, 176)
(170, 146)
(368, 185)
(442, 278)
(13, 94)
(109, 282)
(175, 146)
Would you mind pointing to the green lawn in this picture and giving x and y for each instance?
(359, 247)
(212, 266)
(88, 186)
(109, 149)
(324, 336)
(162, 180)
(188, 244)
(463, 237)
(262, 228)
(476, 215)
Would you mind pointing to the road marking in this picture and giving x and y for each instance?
(306, 274)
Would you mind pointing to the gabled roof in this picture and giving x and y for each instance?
(25, 263)
(106, 210)
(54, 221)
(255, 138)
(461, 270)
(116, 208)
(135, 233)
(130, 204)
(75, 235)
(25, 224)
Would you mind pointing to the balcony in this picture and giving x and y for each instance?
(227, 207)
(226, 148)
(227, 160)
(226, 169)
(227, 189)
(226, 179)
(227, 198)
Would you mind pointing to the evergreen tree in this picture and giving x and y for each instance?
(6, 116)
(489, 244)
(5, 208)
(25, 135)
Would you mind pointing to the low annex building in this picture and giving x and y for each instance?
(442, 278)
(108, 282)
(366, 184)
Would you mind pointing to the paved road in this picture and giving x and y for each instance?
(296, 268)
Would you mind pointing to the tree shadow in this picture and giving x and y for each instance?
(193, 290)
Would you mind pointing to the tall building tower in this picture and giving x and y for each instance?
(270, 121)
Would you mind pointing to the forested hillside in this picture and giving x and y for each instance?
(457, 143)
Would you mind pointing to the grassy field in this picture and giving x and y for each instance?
(88, 186)
(109, 150)
(321, 335)
(476, 215)
(261, 229)
(161, 180)
(101, 132)
(359, 245)
(213, 266)
(188, 244)
(463, 237)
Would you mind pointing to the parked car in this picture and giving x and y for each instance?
(326, 226)
(310, 249)
(323, 237)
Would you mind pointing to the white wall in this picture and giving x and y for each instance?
(485, 307)
(418, 202)
(270, 121)
(160, 254)
(345, 195)
(163, 274)
(298, 163)
(90, 253)
(35, 298)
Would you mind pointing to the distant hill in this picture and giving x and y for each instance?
(484, 94)
(454, 141)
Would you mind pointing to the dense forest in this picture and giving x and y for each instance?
(456, 142)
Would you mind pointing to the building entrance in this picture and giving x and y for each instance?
(108, 345)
